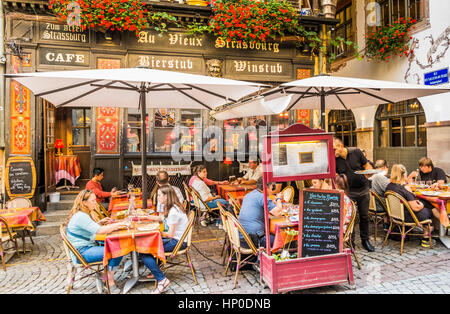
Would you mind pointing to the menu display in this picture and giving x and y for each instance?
(299, 158)
(21, 177)
(320, 222)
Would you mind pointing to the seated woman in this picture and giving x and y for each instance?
(81, 232)
(206, 180)
(422, 209)
(176, 219)
(342, 184)
(205, 193)
(321, 184)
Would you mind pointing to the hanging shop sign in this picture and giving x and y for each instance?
(63, 33)
(436, 77)
(172, 170)
(52, 56)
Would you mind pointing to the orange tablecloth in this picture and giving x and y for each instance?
(67, 167)
(278, 227)
(121, 243)
(442, 205)
(236, 191)
(22, 217)
(122, 203)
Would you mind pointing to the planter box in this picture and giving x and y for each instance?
(304, 273)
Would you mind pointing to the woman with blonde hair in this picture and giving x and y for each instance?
(82, 230)
(422, 209)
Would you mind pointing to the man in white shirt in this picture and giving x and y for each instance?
(253, 174)
(162, 178)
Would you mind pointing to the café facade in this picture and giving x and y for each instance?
(110, 137)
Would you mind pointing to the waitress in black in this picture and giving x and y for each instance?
(349, 160)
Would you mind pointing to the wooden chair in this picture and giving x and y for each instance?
(97, 214)
(103, 210)
(348, 235)
(288, 194)
(6, 236)
(96, 268)
(396, 205)
(226, 241)
(235, 204)
(234, 228)
(187, 235)
(21, 202)
(154, 194)
(188, 192)
(375, 215)
(300, 184)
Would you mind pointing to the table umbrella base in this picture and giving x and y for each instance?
(130, 284)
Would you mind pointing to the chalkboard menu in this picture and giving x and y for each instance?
(320, 222)
(21, 177)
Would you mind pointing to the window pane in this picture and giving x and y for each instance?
(280, 121)
(410, 136)
(234, 134)
(165, 118)
(410, 121)
(257, 126)
(77, 117)
(87, 117)
(133, 131)
(77, 136)
(191, 141)
(422, 137)
(398, 9)
(163, 139)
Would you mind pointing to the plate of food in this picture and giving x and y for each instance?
(293, 218)
(369, 171)
(148, 227)
(430, 193)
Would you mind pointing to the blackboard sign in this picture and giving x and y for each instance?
(320, 222)
(21, 177)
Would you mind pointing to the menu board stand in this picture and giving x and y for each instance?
(301, 153)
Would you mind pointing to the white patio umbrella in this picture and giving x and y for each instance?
(129, 88)
(327, 92)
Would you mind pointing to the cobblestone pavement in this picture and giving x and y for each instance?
(418, 270)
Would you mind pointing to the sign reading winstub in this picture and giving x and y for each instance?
(250, 69)
(63, 33)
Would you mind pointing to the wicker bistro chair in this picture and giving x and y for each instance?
(21, 202)
(188, 192)
(235, 204)
(6, 236)
(96, 268)
(396, 205)
(288, 194)
(348, 235)
(226, 241)
(375, 214)
(177, 252)
(234, 228)
(103, 210)
(201, 205)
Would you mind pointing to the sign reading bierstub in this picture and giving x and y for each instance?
(320, 222)
(20, 177)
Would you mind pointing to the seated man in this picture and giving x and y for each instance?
(162, 178)
(95, 186)
(380, 180)
(205, 193)
(253, 174)
(251, 215)
(428, 172)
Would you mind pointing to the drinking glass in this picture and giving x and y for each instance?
(429, 184)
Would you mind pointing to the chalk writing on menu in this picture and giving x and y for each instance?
(20, 178)
(321, 223)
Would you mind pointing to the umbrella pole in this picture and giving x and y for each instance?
(143, 104)
(322, 109)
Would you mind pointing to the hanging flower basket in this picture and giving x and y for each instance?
(121, 15)
(389, 41)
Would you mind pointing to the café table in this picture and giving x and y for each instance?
(441, 202)
(122, 203)
(237, 191)
(22, 218)
(134, 241)
(278, 226)
(67, 167)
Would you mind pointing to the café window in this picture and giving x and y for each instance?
(133, 131)
(234, 135)
(257, 127)
(344, 28)
(81, 127)
(163, 130)
(191, 138)
(392, 10)
(401, 125)
(342, 123)
(280, 121)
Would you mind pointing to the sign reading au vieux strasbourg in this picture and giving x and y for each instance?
(63, 33)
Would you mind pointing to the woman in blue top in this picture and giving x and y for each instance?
(82, 230)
